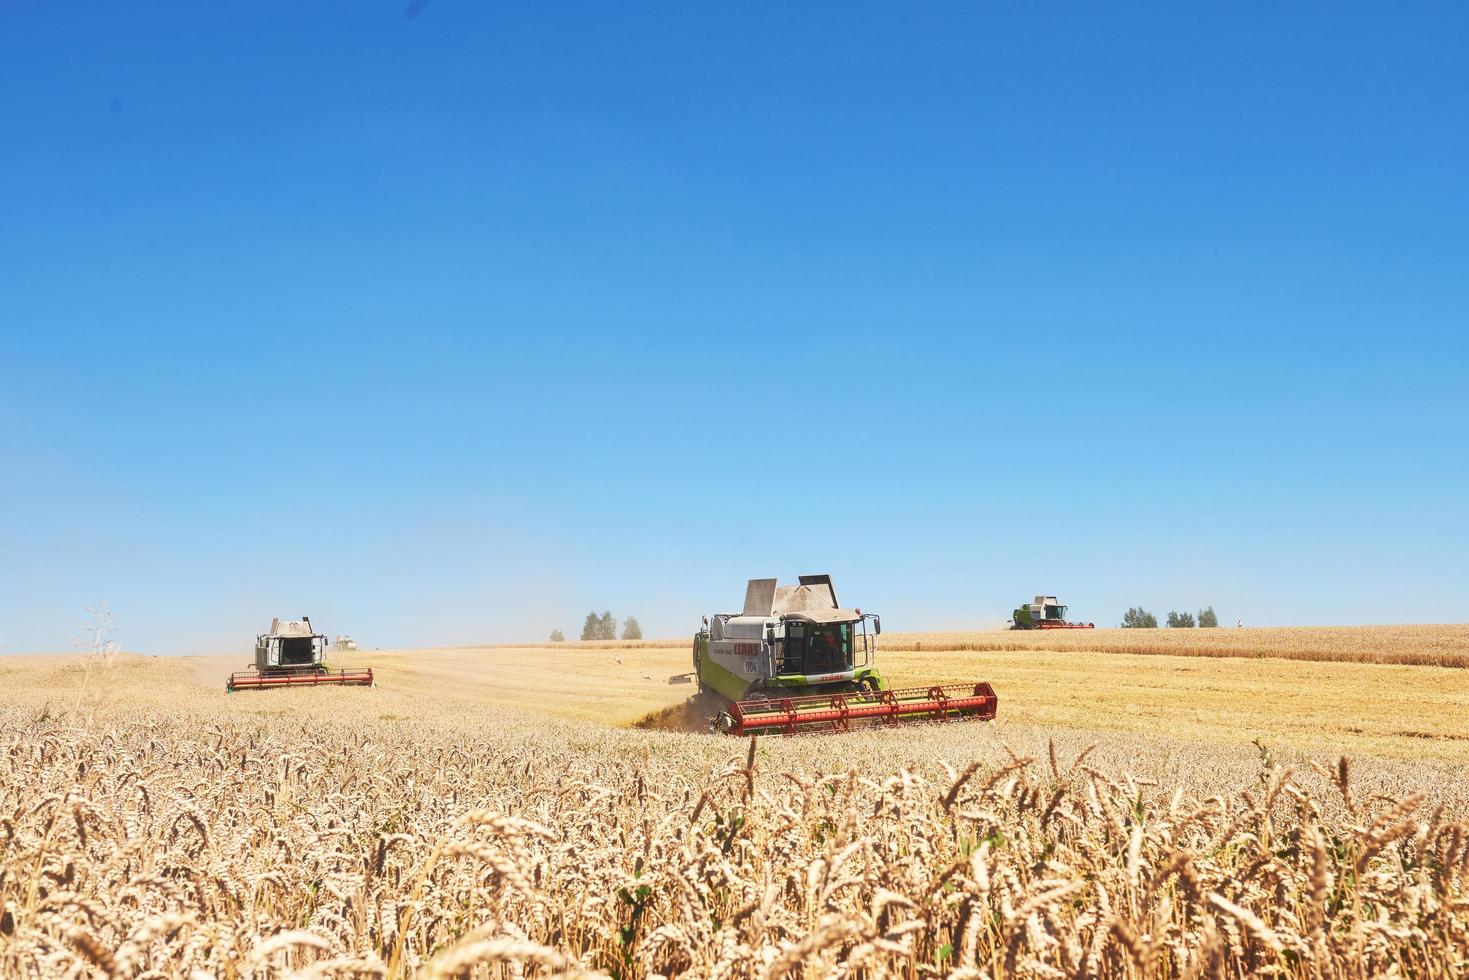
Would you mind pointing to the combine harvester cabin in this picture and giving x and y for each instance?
(293, 654)
(795, 660)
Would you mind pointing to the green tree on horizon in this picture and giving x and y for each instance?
(1138, 618)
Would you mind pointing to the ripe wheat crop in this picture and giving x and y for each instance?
(1438, 646)
(259, 839)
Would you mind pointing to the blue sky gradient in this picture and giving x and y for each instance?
(447, 328)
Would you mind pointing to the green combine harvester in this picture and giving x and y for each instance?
(795, 660)
(1045, 613)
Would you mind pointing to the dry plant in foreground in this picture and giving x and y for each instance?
(174, 844)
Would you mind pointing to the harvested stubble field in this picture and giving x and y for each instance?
(457, 822)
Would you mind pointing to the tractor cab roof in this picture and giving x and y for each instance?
(818, 616)
(825, 616)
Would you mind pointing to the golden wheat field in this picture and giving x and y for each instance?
(1432, 645)
(1439, 645)
(490, 812)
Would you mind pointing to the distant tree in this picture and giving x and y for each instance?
(607, 626)
(1181, 620)
(631, 630)
(556, 637)
(1207, 619)
(1138, 618)
(592, 628)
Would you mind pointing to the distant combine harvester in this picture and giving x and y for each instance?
(293, 654)
(1045, 613)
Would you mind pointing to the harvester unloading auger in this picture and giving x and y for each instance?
(292, 654)
(795, 661)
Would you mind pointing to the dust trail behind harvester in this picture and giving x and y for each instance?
(694, 715)
(214, 671)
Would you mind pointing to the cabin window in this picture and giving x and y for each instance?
(815, 649)
(298, 651)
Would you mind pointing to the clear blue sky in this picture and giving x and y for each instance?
(448, 323)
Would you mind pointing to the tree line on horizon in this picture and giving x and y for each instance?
(603, 627)
(1139, 618)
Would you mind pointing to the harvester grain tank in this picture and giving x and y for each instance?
(293, 654)
(795, 660)
(1045, 613)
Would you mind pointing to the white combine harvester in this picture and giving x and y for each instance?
(293, 654)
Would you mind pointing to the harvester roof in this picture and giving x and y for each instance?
(826, 615)
(291, 627)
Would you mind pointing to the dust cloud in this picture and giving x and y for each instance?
(215, 671)
(694, 716)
